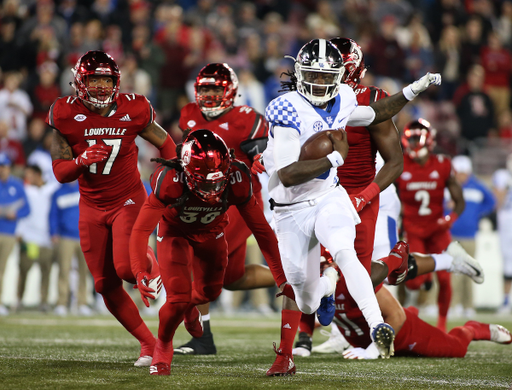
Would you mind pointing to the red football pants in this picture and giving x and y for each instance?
(105, 237)
(178, 258)
(237, 233)
(365, 233)
(417, 338)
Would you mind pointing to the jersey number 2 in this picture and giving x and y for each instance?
(116, 145)
(423, 197)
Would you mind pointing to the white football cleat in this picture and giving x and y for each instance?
(500, 334)
(143, 361)
(336, 343)
(463, 263)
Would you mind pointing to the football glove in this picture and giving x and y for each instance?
(447, 221)
(257, 164)
(417, 87)
(93, 154)
(364, 197)
(142, 285)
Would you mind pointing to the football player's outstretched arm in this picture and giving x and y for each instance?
(156, 135)
(388, 107)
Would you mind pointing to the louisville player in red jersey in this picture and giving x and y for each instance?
(190, 199)
(245, 131)
(421, 189)
(94, 141)
(357, 174)
(414, 337)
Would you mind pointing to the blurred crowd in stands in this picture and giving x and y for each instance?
(161, 45)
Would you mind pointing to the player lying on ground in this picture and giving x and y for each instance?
(414, 337)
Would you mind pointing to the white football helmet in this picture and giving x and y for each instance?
(319, 70)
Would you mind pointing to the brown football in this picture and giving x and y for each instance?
(318, 145)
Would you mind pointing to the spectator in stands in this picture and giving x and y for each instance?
(386, 57)
(11, 148)
(474, 107)
(42, 158)
(34, 232)
(13, 206)
(447, 57)
(36, 132)
(497, 63)
(480, 202)
(15, 105)
(12, 57)
(65, 238)
(46, 90)
(502, 184)
(473, 40)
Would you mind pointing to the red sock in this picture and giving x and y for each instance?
(146, 339)
(163, 352)
(481, 331)
(124, 309)
(444, 297)
(289, 325)
(441, 323)
(392, 261)
(307, 323)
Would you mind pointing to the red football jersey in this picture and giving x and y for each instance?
(239, 124)
(198, 218)
(359, 167)
(349, 318)
(109, 183)
(421, 190)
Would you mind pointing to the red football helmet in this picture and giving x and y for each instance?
(221, 75)
(353, 59)
(418, 138)
(96, 63)
(206, 162)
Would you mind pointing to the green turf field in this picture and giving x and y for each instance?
(46, 352)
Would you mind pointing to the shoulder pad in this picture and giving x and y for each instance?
(280, 112)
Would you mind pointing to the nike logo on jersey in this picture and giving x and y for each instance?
(128, 202)
(126, 118)
(104, 131)
(434, 175)
(224, 126)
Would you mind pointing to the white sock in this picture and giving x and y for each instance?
(443, 261)
(206, 317)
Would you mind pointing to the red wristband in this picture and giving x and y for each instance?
(370, 192)
(168, 148)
